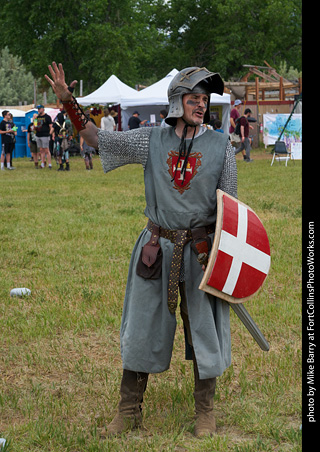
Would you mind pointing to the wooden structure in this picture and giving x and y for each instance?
(269, 93)
(272, 82)
(268, 85)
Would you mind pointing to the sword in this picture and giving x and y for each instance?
(251, 326)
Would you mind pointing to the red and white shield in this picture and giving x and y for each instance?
(240, 258)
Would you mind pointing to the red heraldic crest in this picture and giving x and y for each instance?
(175, 169)
(240, 258)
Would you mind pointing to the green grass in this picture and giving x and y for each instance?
(68, 237)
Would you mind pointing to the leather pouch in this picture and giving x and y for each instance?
(150, 261)
(201, 244)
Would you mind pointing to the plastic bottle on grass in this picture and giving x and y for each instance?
(20, 292)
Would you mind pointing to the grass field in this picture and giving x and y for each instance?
(68, 237)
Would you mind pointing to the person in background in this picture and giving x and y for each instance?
(87, 153)
(114, 114)
(107, 122)
(163, 115)
(134, 122)
(245, 145)
(15, 129)
(234, 116)
(218, 126)
(44, 128)
(8, 135)
(62, 139)
(85, 150)
(32, 142)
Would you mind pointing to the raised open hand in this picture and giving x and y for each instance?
(58, 82)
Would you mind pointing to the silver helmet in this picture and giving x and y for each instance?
(191, 80)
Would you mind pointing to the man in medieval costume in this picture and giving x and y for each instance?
(183, 166)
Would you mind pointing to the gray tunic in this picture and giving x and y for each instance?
(148, 328)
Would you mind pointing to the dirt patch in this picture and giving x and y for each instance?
(257, 155)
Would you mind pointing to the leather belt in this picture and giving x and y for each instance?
(180, 237)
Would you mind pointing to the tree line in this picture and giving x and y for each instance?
(141, 41)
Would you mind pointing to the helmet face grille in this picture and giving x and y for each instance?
(187, 81)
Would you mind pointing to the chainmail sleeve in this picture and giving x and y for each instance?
(228, 178)
(121, 148)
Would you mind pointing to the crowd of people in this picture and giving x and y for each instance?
(47, 137)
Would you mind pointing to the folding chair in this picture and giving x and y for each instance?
(281, 152)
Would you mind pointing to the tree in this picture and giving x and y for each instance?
(93, 38)
(140, 40)
(16, 83)
(225, 34)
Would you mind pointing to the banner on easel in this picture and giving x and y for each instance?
(273, 125)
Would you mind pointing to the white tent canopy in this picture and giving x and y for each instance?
(155, 94)
(154, 98)
(111, 92)
(15, 112)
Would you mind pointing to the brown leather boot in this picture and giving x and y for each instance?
(129, 414)
(203, 396)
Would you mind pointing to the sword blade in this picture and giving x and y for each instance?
(251, 326)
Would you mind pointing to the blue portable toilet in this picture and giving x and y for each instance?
(20, 149)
